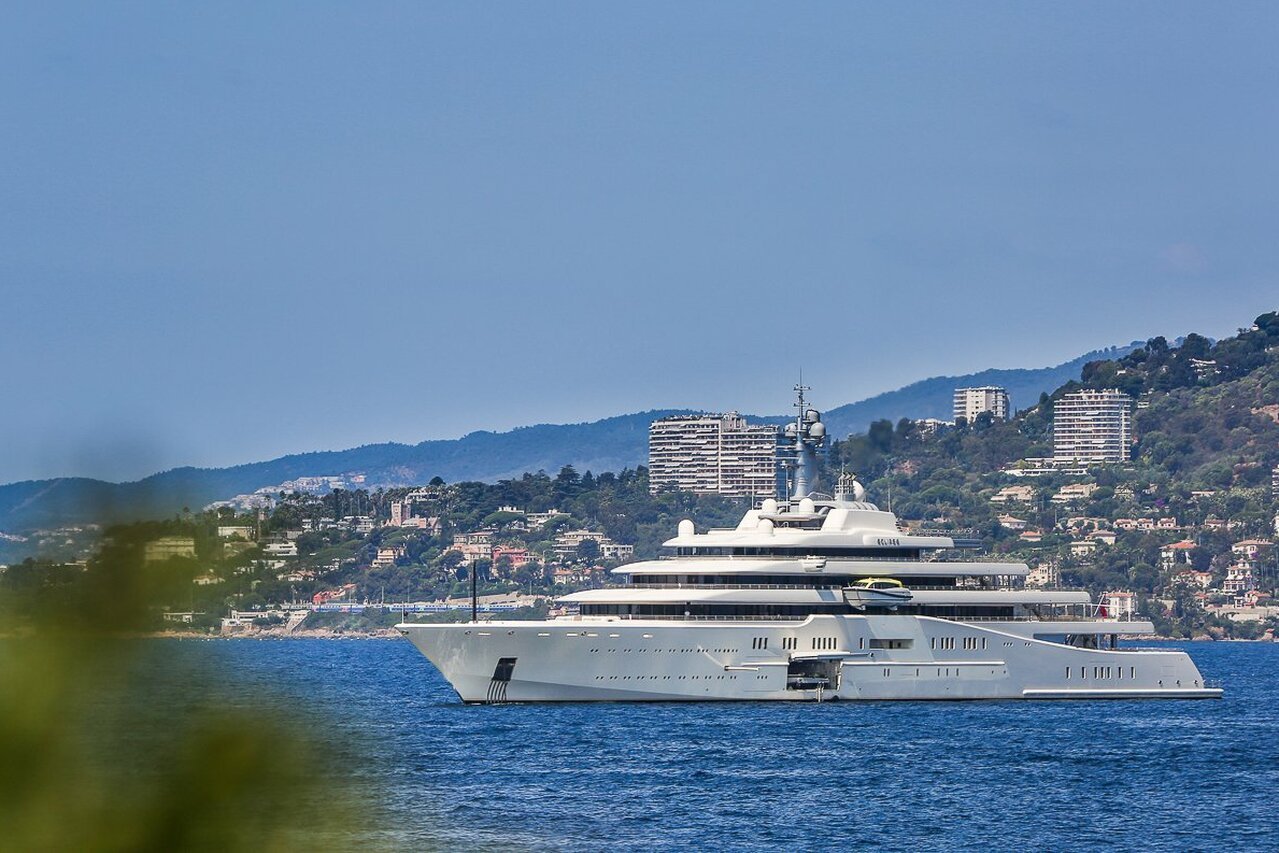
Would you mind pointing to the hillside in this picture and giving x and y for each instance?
(1207, 440)
(607, 445)
(1210, 428)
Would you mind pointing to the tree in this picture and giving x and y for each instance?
(502, 518)
(880, 436)
(450, 561)
(588, 550)
(1268, 324)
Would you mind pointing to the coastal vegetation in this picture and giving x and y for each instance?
(108, 743)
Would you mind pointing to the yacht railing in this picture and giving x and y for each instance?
(606, 617)
(631, 616)
(799, 586)
(965, 558)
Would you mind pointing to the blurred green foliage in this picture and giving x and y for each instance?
(112, 742)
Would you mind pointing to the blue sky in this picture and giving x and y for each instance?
(237, 231)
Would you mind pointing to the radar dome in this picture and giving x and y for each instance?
(807, 506)
(859, 491)
(686, 528)
(817, 430)
(769, 506)
(765, 525)
(812, 416)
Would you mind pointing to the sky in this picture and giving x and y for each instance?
(233, 231)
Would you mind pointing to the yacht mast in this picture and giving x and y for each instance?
(808, 434)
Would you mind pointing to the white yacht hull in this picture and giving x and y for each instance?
(872, 657)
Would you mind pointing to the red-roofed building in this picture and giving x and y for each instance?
(1175, 554)
(518, 556)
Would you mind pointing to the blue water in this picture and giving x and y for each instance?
(1153, 775)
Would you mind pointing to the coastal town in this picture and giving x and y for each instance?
(1193, 550)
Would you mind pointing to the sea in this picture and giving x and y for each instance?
(1004, 775)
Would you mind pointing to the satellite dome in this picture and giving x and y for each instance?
(817, 430)
(790, 430)
(765, 526)
(859, 491)
(806, 505)
(812, 416)
(686, 528)
(769, 506)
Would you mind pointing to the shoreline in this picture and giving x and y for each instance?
(273, 634)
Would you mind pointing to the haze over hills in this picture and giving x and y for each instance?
(606, 445)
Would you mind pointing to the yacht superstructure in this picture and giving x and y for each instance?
(813, 598)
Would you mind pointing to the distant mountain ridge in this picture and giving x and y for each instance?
(933, 398)
(606, 445)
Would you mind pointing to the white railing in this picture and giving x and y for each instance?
(839, 586)
(849, 559)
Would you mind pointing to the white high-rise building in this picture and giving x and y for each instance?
(971, 402)
(1093, 426)
(713, 454)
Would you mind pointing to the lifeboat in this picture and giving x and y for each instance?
(876, 592)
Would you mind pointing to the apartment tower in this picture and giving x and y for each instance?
(1093, 426)
(971, 402)
(713, 454)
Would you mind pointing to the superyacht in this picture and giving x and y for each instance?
(816, 597)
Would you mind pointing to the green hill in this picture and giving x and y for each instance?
(1207, 439)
